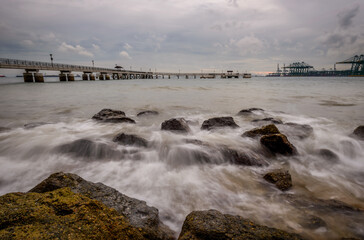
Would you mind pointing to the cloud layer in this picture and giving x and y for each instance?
(243, 35)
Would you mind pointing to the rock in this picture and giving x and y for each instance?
(88, 149)
(34, 125)
(127, 139)
(147, 113)
(359, 132)
(239, 158)
(137, 212)
(218, 122)
(328, 155)
(300, 131)
(4, 129)
(249, 111)
(265, 130)
(213, 225)
(278, 143)
(108, 113)
(61, 214)
(282, 180)
(312, 222)
(271, 120)
(119, 120)
(176, 125)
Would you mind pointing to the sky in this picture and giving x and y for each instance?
(183, 35)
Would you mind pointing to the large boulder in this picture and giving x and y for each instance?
(218, 122)
(213, 225)
(61, 214)
(282, 179)
(129, 139)
(137, 212)
(108, 113)
(359, 132)
(176, 125)
(278, 143)
(147, 113)
(265, 130)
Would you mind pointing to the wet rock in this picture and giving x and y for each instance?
(312, 222)
(218, 122)
(108, 113)
(34, 125)
(176, 125)
(249, 111)
(300, 131)
(127, 139)
(328, 155)
(88, 149)
(147, 113)
(119, 120)
(4, 129)
(278, 143)
(137, 212)
(240, 158)
(265, 130)
(359, 132)
(61, 214)
(213, 225)
(281, 179)
(271, 120)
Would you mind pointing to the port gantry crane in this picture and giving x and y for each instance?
(357, 64)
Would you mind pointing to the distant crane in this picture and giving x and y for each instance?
(357, 64)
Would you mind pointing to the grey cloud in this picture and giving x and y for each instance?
(346, 17)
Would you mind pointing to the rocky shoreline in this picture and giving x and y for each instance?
(67, 206)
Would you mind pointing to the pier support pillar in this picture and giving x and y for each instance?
(169, 76)
(28, 77)
(186, 76)
(92, 77)
(71, 77)
(107, 77)
(101, 77)
(38, 77)
(62, 77)
(85, 77)
(194, 76)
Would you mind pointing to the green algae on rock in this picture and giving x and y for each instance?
(265, 130)
(282, 180)
(61, 214)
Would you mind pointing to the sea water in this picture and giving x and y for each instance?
(167, 174)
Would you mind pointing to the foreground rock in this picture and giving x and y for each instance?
(137, 212)
(281, 179)
(128, 139)
(61, 214)
(278, 143)
(213, 225)
(105, 114)
(218, 122)
(265, 130)
(176, 125)
(88, 149)
(147, 113)
(359, 132)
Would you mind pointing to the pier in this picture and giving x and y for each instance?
(66, 72)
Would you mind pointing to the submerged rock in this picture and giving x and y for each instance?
(176, 125)
(61, 214)
(88, 149)
(119, 120)
(265, 130)
(282, 180)
(271, 120)
(249, 111)
(312, 222)
(128, 139)
(137, 212)
(278, 143)
(147, 113)
(34, 125)
(328, 155)
(300, 131)
(359, 132)
(213, 225)
(218, 122)
(4, 129)
(108, 113)
(241, 158)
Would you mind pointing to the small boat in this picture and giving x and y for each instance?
(247, 75)
(2, 75)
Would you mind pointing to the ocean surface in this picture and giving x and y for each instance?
(169, 174)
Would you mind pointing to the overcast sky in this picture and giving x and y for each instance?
(190, 35)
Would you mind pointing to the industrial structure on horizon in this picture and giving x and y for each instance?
(304, 69)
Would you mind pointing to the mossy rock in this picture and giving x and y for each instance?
(61, 214)
(278, 143)
(265, 130)
(281, 179)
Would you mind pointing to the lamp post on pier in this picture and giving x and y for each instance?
(93, 63)
(51, 55)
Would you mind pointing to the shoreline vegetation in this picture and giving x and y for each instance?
(66, 206)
